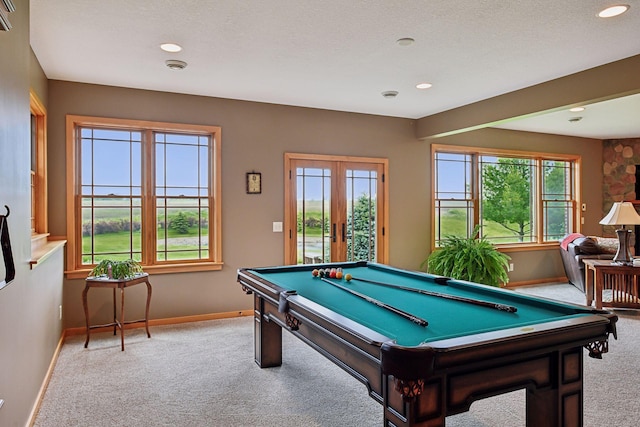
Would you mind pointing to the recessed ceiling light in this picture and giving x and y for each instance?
(171, 47)
(612, 11)
(390, 93)
(406, 41)
(175, 64)
(576, 109)
(423, 85)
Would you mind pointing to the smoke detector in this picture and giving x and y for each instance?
(390, 94)
(175, 64)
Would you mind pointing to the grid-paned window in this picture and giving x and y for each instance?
(111, 192)
(453, 198)
(513, 198)
(182, 195)
(146, 191)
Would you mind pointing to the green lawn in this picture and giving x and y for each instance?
(453, 223)
(110, 243)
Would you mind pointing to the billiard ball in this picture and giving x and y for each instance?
(339, 274)
(348, 277)
(315, 272)
(332, 273)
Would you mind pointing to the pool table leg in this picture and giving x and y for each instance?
(561, 404)
(267, 337)
(427, 409)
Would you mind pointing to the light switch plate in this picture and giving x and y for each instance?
(277, 227)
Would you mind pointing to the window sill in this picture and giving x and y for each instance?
(522, 247)
(42, 248)
(158, 269)
(525, 247)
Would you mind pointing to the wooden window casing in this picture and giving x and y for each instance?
(39, 219)
(542, 203)
(145, 195)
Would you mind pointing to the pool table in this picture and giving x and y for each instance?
(478, 341)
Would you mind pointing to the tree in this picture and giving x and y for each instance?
(362, 225)
(506, 194)
(180, 223)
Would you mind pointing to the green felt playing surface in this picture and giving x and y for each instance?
(447, 318)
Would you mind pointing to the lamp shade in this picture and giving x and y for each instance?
(621, 213)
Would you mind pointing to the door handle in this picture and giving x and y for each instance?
(344, 232)
(333, 234)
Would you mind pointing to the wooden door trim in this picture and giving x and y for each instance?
(382, 228)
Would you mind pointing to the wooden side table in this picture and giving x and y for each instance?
(622, 280)
(103, 282)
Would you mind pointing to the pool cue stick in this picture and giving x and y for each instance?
(409, 316)
(488, 304)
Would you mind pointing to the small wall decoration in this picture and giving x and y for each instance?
(6, 6)
(254, 183)
(10, 271)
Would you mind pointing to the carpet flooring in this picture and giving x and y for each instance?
(203, 374)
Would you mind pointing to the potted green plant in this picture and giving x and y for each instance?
(114, 269)
(473, 259)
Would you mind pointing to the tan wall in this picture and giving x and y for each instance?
(29, 325)
(254, 137)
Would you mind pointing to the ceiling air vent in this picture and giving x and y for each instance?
(174, 64)
(390, 94)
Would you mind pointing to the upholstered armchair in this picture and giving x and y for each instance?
(575, 247)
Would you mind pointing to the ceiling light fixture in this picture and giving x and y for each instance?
(406, 41)
(612, 11)
(171, 47)
(390, 93)
(175, 64)
(576, 109)
(423, 85)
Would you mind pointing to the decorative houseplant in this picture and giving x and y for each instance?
(113, 269)
(469, 258)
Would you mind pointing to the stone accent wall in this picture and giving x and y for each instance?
(620, 157)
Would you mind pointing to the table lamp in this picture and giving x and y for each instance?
(622, 213)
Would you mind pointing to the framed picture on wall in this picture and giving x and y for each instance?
(254, 183)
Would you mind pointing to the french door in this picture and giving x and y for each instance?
(335, 209)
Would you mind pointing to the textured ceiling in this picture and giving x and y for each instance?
(331, 54)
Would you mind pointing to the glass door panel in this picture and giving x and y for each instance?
(360, 234)
(313, 215)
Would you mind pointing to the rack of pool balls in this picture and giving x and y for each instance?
(332, 273)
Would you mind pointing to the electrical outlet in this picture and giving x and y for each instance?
(584, 207)
(510, 266)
